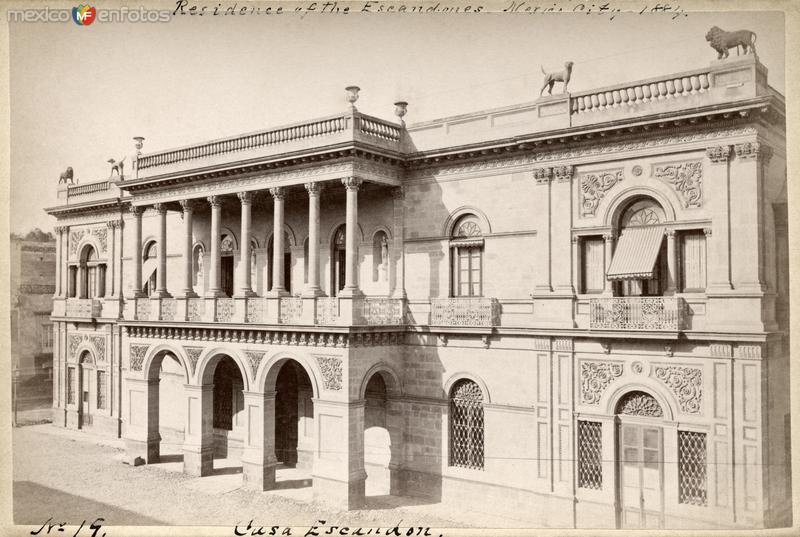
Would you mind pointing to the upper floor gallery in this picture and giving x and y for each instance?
(656, 206)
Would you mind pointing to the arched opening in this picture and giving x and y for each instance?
(377, 438)
(640, 439)
(287, 264)
(197, 269)
(226, 248)
(150, 267)
(639, 263)
(166, 408)
(338, 260)
(228, 416)
(86, 390)
(466, 259)
(466, 425)
(294, 419)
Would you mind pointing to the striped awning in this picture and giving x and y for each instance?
(636, 253)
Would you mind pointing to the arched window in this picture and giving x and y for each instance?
(92, 274)
(380, 257)
(226, 248)
(338, 260)
(150, 254)
(466, 246)
(639, 264)
(466, 425)
(150, 251)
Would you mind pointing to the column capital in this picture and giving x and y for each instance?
(246, 198)
(351, 183)
(188, 205)
(60, 229)
(752, 151)
(670, 233)
(542, 175)
(563, 174)
(114, 224)
(313, 189)
(137, 210)
(160, 208)
(214, 201)
(399, 192)
(718, 154)
(707, 231)
(277, 192)
(608, 237)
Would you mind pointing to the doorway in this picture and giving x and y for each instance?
(226, 274)
(640, 455)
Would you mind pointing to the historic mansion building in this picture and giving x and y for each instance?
(573, 309)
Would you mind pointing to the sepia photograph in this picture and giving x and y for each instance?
(413, 268)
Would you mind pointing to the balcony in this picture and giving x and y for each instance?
(637, 313)
(83, 308)
(298, 311)
(465, 312)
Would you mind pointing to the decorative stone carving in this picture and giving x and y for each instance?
(542, 175)
(193, 353)
(747, 351)
(66, 177)
(595, 378)
(100, 233)
(102, 236)
(74, 341)
(540, 343)
(637, 367)
(351, 183)
(721, 350)
(718, 154)
(254, 357)
(136, 356)
(551, 78)
(594, 187)
(331, 368)
(562, 344)
(637, 170)
(99, 343)
(639, 404)
(687, 385)
(686, 178)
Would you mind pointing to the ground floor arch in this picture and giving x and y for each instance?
(382, 432)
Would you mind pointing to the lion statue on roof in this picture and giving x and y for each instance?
(722, 41)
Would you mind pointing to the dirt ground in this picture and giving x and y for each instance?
(67, 476)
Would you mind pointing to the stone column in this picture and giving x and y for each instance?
(747, 225)
(278, 277)
(717, 179)
(198, 445)
(608, 254)
(351, 241)
(66, 275)
(215, 287)
(313, 288)
(136, 257)
(672, 262)
(399, 196)
(544, 283)
(111, 268)
(59, 261)
(561, 229)
(161, 275)
(120, 248)
(258, 458)
(188, 269)
(245, 277)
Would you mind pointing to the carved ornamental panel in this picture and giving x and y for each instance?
(595, 378)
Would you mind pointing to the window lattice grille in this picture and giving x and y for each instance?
(692, 468)
(466, 425)
(590, 469)
(102, 386)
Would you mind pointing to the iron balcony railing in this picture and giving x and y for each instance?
(636, 313)
(465, 311)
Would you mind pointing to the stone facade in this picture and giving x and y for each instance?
(481, 251)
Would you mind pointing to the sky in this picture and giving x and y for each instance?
(80, 93)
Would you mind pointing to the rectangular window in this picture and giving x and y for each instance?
(593, 270)
(102, 386)
(692, 470)
(590, 469)
(47, 337)
(72, 386)
(693, 261)
(467, 271)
